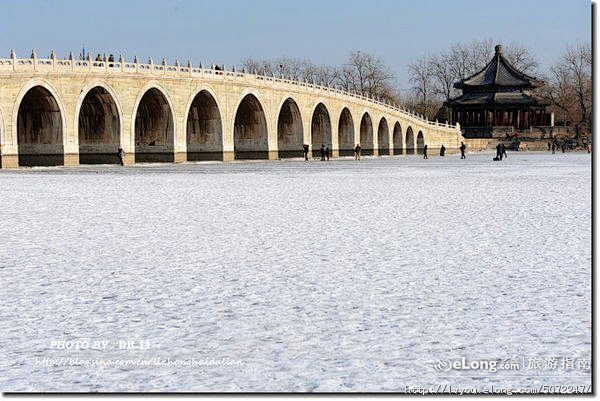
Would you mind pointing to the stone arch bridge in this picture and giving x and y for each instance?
(66, 112)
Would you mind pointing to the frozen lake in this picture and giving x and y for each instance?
(295, 276)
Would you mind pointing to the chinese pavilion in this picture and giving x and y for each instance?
(499, 96)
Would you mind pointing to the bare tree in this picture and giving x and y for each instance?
(256, 66)
(521, 58)
(368, 75)
(362, 73)
(422, 79)
(443, 76)
(569, 87)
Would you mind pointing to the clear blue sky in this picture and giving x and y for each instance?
(321, 31)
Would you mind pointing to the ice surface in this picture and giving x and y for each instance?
(318, 276)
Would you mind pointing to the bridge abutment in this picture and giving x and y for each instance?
(9, 161)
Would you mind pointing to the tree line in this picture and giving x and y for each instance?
(568, 81)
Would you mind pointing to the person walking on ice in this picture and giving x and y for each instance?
(357, 152)
(305, 148)
(322, 152)
(443, 151)
(498, 152)
(121, 154)
(462, 150)
(425, 152)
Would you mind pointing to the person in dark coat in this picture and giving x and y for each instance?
(499, 151)
(305, 147)
(563, 147)
(328, 153)
(121, 154)
(462, 150)
(504, 151)
(443, 151)
(549, 145)
(322, 152)
(357, 151)
(553, 147)
(425, 152)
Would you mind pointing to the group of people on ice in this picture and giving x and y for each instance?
(326, 152)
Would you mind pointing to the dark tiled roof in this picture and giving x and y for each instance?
(499, 72)
(496, 98)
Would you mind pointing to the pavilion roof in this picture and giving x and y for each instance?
(499, 73)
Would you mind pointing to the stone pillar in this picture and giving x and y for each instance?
(552, 119)
(271, 115)
(391, 138)
(70, 143)
(9, 151)
(179, 135)
(335, 145)
(228, 150)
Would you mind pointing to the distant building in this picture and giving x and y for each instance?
(500, 100)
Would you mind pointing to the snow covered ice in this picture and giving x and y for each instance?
(319, 276)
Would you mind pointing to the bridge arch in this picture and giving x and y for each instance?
(346, 132)
(320, 129)
(383, 137)
(410, 141)
(397, 138)
(153, 125)
(203, 125)
(250, 128)
(420, 142)
(98, 121)
(366, 134)
(290, 130)
(40, 120)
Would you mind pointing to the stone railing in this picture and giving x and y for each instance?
(87, 66)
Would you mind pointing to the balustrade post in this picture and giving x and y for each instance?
(13, 57)
(34, 58)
